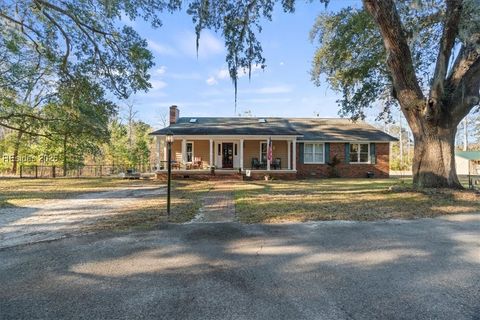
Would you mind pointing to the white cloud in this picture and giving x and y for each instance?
(161, 48)
(267, 100)
(185, 76)
(209, 44)
(223, 74)
(157, 84)
(244, 71)
(161, 70)
(273, 89)
(211, 81)
(282, 63)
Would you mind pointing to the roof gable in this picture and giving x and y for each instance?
(338, 129)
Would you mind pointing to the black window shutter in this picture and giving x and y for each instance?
(347, 152)
(327, 152)
(300, 152)
(373, 154)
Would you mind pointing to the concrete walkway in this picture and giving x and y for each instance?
(218, 204)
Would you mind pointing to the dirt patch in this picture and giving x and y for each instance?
(54, 219)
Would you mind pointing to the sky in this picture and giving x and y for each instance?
(200, 86)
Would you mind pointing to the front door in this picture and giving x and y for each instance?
(227, 155)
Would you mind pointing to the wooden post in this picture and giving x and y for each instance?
(294, 154)
(241, 155)
(21, 171)
(289, 157)
(53, 172)
(36, 171)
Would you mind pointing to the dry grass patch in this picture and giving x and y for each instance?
(139, 213)
(345, 199)
(187, 197)
(16, 192)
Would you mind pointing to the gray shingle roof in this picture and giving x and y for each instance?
(334, 129)
(230, 126)
(337, 129)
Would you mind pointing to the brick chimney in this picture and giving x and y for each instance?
(174, 114)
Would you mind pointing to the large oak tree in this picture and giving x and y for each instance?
(424, 54)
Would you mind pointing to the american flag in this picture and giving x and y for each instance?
(269, 150)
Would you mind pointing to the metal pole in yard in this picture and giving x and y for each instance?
(169, 138)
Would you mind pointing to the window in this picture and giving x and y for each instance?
(219, 149)
(313, 153)
(189, 151)
(359, 153)
(236, 149)
(263, 152)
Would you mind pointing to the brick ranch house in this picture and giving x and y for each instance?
(301, 147)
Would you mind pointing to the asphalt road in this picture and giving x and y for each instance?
(421, 269)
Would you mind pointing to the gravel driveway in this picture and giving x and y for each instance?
(54, 219)
(419, 269)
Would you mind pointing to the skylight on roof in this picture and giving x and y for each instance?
(193, 120)
(262, 120)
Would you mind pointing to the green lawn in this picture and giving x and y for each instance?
(345, 199)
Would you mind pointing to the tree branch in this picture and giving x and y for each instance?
(32, 133)
(399, 56)
(450, 31)
(65, 37)
(467, 92)
(467, 57)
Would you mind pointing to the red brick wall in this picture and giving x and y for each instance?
(380, 169)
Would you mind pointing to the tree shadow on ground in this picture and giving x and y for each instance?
(384, 270)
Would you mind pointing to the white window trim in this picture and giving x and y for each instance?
(193, 151)
(358, 153)
(313, 149)
(260, 151)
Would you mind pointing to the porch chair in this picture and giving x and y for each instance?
(277, 164)
(175, 165)
(255, 163)
(197, 163)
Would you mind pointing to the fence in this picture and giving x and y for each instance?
(37, 171)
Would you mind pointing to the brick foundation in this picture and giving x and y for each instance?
(198, 176)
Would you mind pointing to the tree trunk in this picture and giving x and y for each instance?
(16, 148)
(434, 158)
(65, 156)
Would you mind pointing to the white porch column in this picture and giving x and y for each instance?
(184, 151)
(165, 153)
(289, 157)
(241, 154)
(211, 152)
(268, 160)
(157, 139)
(294, 153)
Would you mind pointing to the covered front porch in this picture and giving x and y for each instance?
(228, 154)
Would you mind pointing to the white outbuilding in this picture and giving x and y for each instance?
(467, 162)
